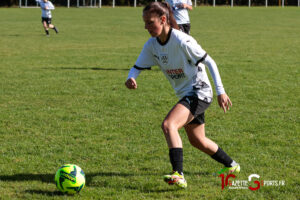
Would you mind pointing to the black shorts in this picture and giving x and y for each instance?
(197, 108)
(47, 20)
(185, 28)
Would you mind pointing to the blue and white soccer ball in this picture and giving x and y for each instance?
(70, 179)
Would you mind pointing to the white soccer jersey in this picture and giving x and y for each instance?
(180, 60)
(181, 14)
(46, 8)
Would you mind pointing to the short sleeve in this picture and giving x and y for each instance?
(146, 58)
(193, 50)
(189, 2)
(52, 6)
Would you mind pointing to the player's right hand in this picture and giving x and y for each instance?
(131, 83)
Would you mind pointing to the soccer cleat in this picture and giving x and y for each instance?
(230, 170)
(55, 29)
(176, 179)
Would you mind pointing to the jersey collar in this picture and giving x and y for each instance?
(164, 43)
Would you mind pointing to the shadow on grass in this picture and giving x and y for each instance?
(94, 68)
(14, 35)
(44, 192)
(49, 178)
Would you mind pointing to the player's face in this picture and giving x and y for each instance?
(153, 24)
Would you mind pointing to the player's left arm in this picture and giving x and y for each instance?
(223, 99)
(224, 102)
(187, 6)
(197, 55)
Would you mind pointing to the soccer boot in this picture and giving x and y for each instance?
(176, 179)
(55, 29)
(230, 170)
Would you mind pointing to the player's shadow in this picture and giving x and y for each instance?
(97, 68)
(94, 68)
(14, 35)
(49, 178)
(45, 192)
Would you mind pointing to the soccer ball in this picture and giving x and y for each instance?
(70, 179)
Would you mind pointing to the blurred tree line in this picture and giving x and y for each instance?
(10, 3)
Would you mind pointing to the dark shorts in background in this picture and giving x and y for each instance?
(47, 20)
(185, 28)
(197, 108)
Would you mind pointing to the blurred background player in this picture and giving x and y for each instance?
(46, 7)
(180, 9)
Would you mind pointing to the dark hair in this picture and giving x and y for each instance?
(162, 8)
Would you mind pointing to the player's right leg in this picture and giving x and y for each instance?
(45, 25)
(176, 118)
(176, 179)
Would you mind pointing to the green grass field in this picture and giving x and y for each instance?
(63, 100)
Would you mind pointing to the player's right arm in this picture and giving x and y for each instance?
(132, 75)
(144, 61)
(131, 83)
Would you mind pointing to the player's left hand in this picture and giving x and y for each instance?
(180, 5)
(224, 102)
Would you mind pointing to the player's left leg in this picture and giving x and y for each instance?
(196, 135)
(53, 27)
(197, 138)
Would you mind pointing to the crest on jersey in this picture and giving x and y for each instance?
(164, 58)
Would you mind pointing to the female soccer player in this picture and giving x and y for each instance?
(180, 9)
(180, 58)
(46, 7)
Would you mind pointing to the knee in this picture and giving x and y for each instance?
(164, 126)
(167, 126)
